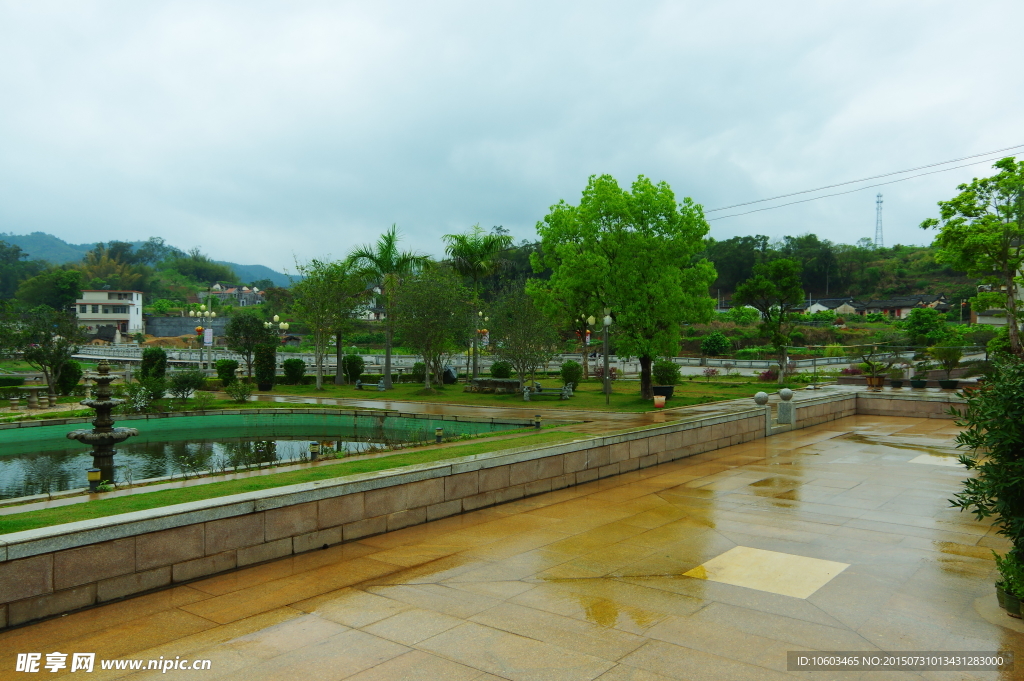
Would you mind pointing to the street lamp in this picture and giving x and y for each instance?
(607, 375)
(476, 343)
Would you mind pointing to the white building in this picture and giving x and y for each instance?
(121, 310)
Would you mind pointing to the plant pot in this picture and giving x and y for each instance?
(948, 384)
(917, 383)
(896, 383)
(1001, 596)
(264, 387)
(875, 382)
(663, 390)
(1012, 606)
(659, 401)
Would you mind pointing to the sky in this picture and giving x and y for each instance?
(270, 132)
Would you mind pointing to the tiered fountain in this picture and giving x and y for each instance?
(103, 436)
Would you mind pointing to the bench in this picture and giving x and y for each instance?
(564, 393)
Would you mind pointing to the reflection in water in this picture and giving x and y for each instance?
(49, 463)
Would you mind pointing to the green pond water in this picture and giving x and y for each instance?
(41, 459)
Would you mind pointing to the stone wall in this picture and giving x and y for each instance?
(913, 404)
(58, 569)
(817, 410)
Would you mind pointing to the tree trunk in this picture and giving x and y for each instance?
(320, 357)
(428, 367)
(339, 373)
(1011, 317)
(645, 377)
(586, 362)
(388, 334)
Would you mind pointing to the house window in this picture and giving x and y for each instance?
(106, 309)
(82, 309)
(95, 309)
(120, 309)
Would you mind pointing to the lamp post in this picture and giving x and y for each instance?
(607, 373)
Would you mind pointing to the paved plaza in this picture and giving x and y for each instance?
(837, 537)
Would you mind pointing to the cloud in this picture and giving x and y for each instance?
(267, 131)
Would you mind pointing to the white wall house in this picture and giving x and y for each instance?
(119, 309)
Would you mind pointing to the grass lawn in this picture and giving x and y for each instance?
(100, 508)
(625, 394)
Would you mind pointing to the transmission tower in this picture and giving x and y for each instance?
(879, 242)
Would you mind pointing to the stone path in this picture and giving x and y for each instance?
(835, 537)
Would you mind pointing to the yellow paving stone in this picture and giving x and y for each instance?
(780, 573)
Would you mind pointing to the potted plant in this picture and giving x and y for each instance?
(666, 375)
(896, 376)
(876, 365)
(948, 356)
(992, 420)
(920, 379)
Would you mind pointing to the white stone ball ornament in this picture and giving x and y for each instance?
(761, 398)
(785, 394)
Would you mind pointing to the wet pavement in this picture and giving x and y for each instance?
(837, 537)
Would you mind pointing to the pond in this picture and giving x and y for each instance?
(41, 459)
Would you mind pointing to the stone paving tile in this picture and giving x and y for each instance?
(588, 582)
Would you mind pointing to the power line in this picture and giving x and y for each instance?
(849, 191)
(865, 179)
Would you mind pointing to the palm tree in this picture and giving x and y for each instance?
(384, 266)
(476, 255)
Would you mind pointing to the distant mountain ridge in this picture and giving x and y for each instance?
(43, 246)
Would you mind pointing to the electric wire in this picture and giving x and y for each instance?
(848, 191)
(865, 179)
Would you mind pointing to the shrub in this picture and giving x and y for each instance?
(202, 401)
(154, 363)
(572, 373)
(769, 375)
(185, 382)
(851, 371)
(294, 370)
(419, 372)
(876, 317)
(353, 365)
(749, 353)
(11, 381)
(743, 315)
(69, 377)
(137, 398)
(239, 391)
(834, 350)
(797, 338)
(501, 369)
(265, 364)
(226, 369)
(155, 387)
(665, 372)
(715, 344)
(710, 373)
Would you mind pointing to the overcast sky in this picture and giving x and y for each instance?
(265, 131)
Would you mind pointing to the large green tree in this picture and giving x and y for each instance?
(384, 266)
(633, 250)
(326, 299)
(47, 338)
(57, 289)
(773, 290)
(14, 269)
(245, 333)
(522, 334)
(434, 313)
(981, 232)
(477, 255)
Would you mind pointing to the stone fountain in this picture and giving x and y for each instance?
(103, 436)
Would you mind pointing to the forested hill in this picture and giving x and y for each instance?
(43, 246)
(836, 270)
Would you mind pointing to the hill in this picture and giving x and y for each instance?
(43, 246)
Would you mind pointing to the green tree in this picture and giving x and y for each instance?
(57, 289)
(14, 269)
(477, 255)
(326, 299)
(981, 232)
(244, 333)
(522, 334)
(774, 290)
(434, 314)
(924, 326)
(385, 266)
(633, 251)
(48, 338)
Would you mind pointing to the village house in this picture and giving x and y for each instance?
(107, 312)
